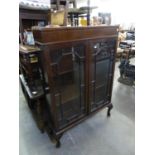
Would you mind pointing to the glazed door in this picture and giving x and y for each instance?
(101, 72)
(67, 78)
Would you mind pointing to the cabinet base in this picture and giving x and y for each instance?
(57, 136)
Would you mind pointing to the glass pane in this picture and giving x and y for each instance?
(68, 68)
(100, 75)
(102, 72)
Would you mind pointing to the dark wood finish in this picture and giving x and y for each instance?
(35, 102)
(79, 63)
(30, 65)
(33, 82)
(64, 34)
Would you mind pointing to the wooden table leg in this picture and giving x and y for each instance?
(40, 114)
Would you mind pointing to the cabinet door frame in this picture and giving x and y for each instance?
(56, 46)
(110, 76)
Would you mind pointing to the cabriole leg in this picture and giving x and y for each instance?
(58, 144)
(109, 110)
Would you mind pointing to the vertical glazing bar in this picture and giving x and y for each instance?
(107, 76)
(94, 84)
(80, 83)
(60, 105)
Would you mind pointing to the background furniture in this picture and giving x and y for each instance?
(126, 44)
(127, 72)
(30, 65)
(29, 18)
(79, 63)
(72, 13)
(106, 18)
(58, 18)
(33, 82)
(65, 4)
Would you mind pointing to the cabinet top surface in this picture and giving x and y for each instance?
(74, 28)
(67, 34)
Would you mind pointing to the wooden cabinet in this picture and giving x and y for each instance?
(79, 63)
